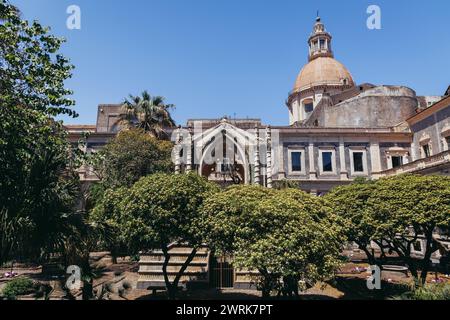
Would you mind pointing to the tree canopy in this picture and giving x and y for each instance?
(108, 213)
(157, 211)
(131, 155)
(38, 184)
(149, 113)
(32, 72)
(285, 235)
(394, 213)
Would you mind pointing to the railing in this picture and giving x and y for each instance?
(424, 163)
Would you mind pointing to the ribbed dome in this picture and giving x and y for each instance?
(323, 71)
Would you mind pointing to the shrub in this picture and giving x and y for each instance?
(429, 292)
(17, 287)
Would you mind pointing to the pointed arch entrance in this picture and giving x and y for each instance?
(224, 160)
(225, 154)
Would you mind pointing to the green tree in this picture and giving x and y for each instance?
(149, 113)
(228, 211)
(131, 155)
(350, 204)
(286, 184)
(38, 183)
(163, 209)
(409, 207)
(108, 214)
(32, 72)
(287, 236)
(394, 213)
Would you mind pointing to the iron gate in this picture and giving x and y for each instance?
(222, 273)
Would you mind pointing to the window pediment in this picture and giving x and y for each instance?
(446, 131)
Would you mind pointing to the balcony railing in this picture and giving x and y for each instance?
(421, 164)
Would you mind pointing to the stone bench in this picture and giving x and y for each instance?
(394, 268)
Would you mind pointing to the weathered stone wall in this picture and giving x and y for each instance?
(374, 143)
(435, 127)
(107, 117)
(384, 106)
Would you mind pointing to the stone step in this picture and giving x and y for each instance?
(173, 260)
(151, 264)
(185, 277)
(186, 252)
(159, 268)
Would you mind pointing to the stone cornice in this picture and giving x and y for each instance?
(442, 104)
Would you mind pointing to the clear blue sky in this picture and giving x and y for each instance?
(224, 57)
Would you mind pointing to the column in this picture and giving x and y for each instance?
(176, 149)
(405, 158)
(414, 154)
(312, 162)
(281, 172)
(257, 179)
(389, 161)
(189, 152)
(269, 157)
(375, 158)
(343, 167)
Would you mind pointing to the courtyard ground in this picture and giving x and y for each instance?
(121, 280)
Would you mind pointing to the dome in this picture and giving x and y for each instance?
(323, 71)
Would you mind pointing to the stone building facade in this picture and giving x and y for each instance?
(337, 131)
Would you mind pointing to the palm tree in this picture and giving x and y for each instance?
(149, 113)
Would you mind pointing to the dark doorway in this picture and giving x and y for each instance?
(221, 273)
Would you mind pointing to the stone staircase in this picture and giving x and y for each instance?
(150, 267)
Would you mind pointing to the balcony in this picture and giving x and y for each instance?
(431, 164)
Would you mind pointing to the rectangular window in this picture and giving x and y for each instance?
(322, 44)
(309, 107)
(426, 150)
(296, 161)
(448, 142)
(358, 164)
(327, 161)
(397, 161)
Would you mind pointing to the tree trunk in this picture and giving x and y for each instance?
(370, 257)
(88, 281)
(413, 269)
(170, 291)
(266, 287)
(113, 252)
(426, 259)
(265, 292)
(184, 267)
